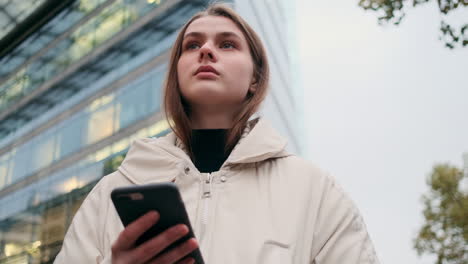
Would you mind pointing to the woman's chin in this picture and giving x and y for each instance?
(210, 98)
(207, 88)
(211, 93)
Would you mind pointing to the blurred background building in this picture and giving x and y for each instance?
(79, 80)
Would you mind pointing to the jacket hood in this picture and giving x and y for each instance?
(150, 156)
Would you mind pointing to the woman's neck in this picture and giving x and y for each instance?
(211, 120)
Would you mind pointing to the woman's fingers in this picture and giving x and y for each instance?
(177, 254)
(187, 261)
(134, 230)
(123, 248)
(153, 247)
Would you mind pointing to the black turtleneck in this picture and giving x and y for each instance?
(208, 149)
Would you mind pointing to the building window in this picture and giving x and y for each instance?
(70, 136)
(101, 121)
(43, 152)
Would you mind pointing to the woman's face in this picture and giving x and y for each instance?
(215, 67)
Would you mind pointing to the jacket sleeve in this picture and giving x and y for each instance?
(341, 235)
(82, 242)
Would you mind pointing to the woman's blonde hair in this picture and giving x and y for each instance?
(177, 109)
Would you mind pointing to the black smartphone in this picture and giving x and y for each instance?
(134, 201)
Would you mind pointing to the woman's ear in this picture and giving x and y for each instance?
(253, 86)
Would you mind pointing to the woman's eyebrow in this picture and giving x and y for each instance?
(228, 34)
(220, 34)
(194, 34)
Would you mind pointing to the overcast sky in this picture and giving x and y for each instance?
(381, 106)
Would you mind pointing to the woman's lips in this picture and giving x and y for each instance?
(206, 68)
(206, 75)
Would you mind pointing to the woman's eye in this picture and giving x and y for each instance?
(227, 45)
(192, 46)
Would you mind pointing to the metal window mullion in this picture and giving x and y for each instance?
(62, 36)
(98, 51)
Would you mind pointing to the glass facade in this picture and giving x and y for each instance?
(41, 212)
(84, 39)
(88, 169)
(270, 19)
(54, 28)
(104, 117)
(104, 63)
(77, 60)
(14, 12)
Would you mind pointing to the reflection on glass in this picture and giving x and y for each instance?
(91, 173)
(112, 22)
(102, 118)
(120, 145)
(97, 30)
(67, 185)
(12, 249)
(36, 233)
(44, 152)
(38, 40)
(17, 235)
(21, 157)
(159, 128)
(14, 12)
(69, 137)
(5, 170)
(101, 124)
(92, 168)
(53, 224)
(128, 108)
(103, 153)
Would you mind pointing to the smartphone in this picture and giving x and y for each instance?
(134, 201)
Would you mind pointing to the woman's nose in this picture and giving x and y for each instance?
(207, 53)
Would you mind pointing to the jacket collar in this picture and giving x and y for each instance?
(161, 159)
(261, 143)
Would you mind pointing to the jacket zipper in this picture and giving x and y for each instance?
(206, 203)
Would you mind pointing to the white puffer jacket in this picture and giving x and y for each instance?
(266, 206)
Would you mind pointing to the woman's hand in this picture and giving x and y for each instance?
(124, 252)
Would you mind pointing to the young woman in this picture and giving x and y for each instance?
(248, 199)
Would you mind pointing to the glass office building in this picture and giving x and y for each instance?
(81, 79)
(271, 20)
